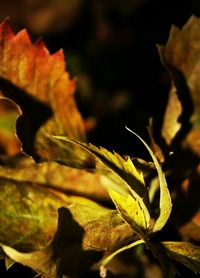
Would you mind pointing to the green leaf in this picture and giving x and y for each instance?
(184, 252)
(165, 199)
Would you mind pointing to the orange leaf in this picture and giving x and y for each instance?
(38, 83)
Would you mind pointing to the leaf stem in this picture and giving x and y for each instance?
(111, 256)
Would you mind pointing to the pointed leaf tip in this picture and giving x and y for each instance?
(165, 199)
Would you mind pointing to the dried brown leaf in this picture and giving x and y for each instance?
(181, 57)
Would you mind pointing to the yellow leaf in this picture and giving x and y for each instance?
(132, 188)
(165, 199)
(131, 212)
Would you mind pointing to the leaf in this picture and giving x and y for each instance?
(81, 235)
(28, 214)
(181, 57)
(130, 210)
(171, 124)
(123, 167)
(8, 263)
(184, 252)
(68, 154)
(38, 83)
(134, 186)
(165, 199)
(59, 177)
(103, 229)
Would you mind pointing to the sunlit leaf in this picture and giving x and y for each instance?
(165, 199)
(123, 166)
(184, 252)
(125, 169)
(131, 212)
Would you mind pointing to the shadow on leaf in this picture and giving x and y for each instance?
(71, 256)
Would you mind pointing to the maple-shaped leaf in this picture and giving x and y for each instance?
(82, 234)
(184, 252)
(39, 84)
(180, 56)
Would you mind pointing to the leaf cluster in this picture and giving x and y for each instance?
(54, 186)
